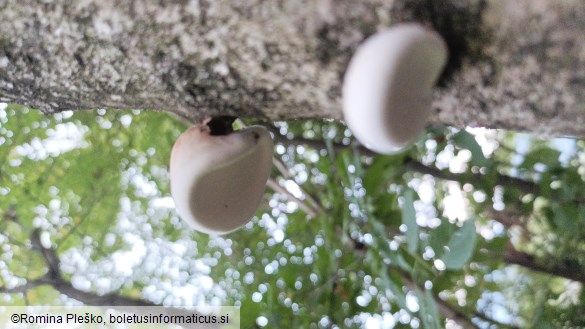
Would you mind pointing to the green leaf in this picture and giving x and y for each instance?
(566, 217)
(439, 237)
(460, 246)
(544, 155)
(375, 174)
(394, 282)
(428, 312)
(382, 168)
(465, 140)
(385, 207)
(409, 219)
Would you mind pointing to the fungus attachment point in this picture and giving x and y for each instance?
(387, 89)
(217, 182)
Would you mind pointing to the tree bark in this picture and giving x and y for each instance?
(514, 64)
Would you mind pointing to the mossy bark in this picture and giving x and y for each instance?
(515, 64)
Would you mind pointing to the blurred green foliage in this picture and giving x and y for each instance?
(401, 240)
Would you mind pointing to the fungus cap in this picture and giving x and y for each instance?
(217, 182)
(387, 88)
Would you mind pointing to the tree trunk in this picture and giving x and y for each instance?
(514, 64)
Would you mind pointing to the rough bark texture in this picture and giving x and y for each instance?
(515, 64)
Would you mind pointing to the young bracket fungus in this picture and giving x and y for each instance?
(217, 181)
(387, 89)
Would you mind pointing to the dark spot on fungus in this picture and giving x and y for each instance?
(222, 125)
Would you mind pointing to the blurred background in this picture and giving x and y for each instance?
(471, 228)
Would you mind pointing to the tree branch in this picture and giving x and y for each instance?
(25, 287)
(485, 318)
(123, 304)
(561, 269)
(214, 59)
(453, 312)
(445, 308)
(285, 172)
(93, 299)
(55, 279)
(472, 178)
(505, 217)
(49, 255)
(303, 205)
(416, 166)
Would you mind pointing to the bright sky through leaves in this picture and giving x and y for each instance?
(95, 184)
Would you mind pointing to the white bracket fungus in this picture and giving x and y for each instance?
(217, 181)
(387, 89)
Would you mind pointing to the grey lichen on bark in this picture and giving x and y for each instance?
(533, 75)
(253, 58)
(515, 64)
